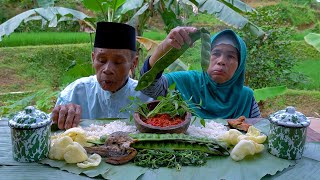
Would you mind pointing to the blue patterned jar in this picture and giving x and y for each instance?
(30, 135)
(287, 136)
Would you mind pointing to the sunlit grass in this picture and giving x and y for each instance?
(44, 38)
(155, 35)
(299, 36)
(311, 69)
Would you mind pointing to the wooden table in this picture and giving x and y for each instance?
(10, 169)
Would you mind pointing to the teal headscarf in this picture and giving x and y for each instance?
(227, 100)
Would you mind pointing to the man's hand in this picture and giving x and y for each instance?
(176, 38)
(66, 116)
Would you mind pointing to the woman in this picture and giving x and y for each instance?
(220, 89)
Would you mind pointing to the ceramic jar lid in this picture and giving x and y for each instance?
(30, 118)
(289, 117)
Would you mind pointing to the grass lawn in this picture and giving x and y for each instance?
(45, 38)
(155, 35)
(311, 69)
(299, 36)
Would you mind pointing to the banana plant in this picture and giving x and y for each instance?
(314, 40)
(228, 11)
(107, 8)
(47, 13)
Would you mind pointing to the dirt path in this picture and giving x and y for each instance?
(256, 3)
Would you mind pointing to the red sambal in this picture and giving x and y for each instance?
(163, 120)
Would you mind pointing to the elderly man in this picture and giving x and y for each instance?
(106, 93)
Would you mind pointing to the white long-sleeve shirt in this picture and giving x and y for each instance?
(98, 103)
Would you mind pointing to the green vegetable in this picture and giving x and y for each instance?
(175, 142)
(169, 158)
(170, 137)
(172, 104)
(205, 50)
(178, 142)
(212, 149)
(173, 54)
(103, 138)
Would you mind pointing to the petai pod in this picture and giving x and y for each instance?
(205, 50)
(170, 137)
(207, 145)
(159, 137)
(168, 58)
(173, 142)
(177, 145)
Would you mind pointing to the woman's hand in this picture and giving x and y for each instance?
(176, 39)
(66, 116)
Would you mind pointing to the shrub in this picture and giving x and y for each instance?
(270, 61)
(35, 26)
(289, 14)
(301, 50)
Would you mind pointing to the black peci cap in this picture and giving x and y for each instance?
(115, 36)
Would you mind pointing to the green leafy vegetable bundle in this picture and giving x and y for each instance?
(169, 158)
(171, 104)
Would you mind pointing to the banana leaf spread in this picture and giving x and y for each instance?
(213, 147)
(152, 150)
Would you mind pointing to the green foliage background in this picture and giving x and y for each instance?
(45, 70)
(48, 65)
(271, 61)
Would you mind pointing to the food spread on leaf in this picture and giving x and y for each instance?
(118, 143)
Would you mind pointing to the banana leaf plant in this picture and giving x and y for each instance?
(137, 13)
(50, 15)
(314, 40)
(47, 13)
(228, 11)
